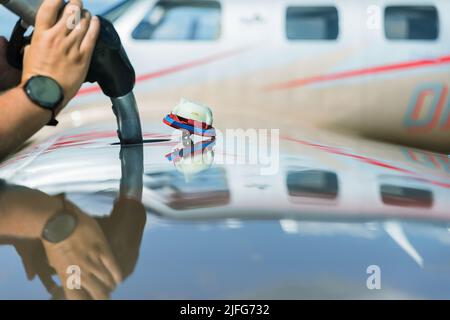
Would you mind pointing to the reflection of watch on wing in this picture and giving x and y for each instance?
(60, 226)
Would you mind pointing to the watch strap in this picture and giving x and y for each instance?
(53, 122)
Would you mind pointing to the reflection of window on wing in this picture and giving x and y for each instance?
(181, 20)
(404, 192)
(406, 197)
(316, 184)
(205, 189)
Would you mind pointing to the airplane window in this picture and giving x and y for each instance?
(179, 192)
(313, 184)
(406, 197)
(181, 20)
(411, 23)
(312, 23)
(115, 12)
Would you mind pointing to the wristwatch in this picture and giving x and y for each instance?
(46, 93)
(60, 227)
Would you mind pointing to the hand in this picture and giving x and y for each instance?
(61, 49)
(9, 76)
(87, 248)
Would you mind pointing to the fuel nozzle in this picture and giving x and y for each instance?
(110, 68)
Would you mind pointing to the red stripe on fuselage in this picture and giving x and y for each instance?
(367, 160)
(289, 84)
(360, 72)
(173, 69)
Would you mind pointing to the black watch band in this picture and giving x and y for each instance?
(53, 122)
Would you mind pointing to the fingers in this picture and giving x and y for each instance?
(90, 39)
(96, 282)
(78, 3)
(96, 288)
(77, 294)
(77, 35)
(104, 267)
(47, 14)
(70, 18)
(110, 263)
(103, 274)
(76, 26)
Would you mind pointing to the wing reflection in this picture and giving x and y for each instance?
(104, 249)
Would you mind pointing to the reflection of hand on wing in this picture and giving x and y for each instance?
(106, 249)
(124, 229)
(88, 249)
(33, 256)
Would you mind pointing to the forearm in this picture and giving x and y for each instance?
(24, 212)
(20, 119)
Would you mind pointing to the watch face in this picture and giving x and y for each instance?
(44, 91)
(59, 228)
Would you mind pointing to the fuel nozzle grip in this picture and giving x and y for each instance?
(110, 66)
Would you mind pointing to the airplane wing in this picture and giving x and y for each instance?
(281, 210)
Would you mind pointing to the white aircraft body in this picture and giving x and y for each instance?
(378, 68)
